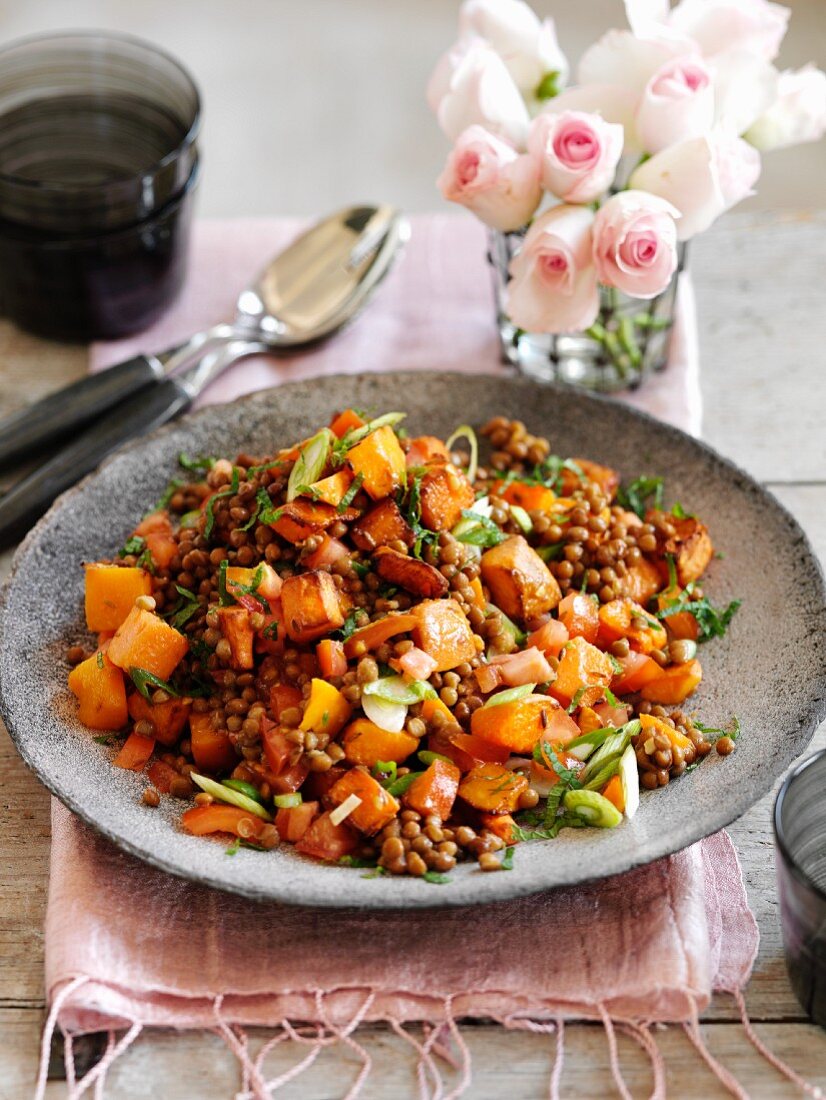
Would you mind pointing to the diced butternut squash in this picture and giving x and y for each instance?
(435, 791)
(444, 492)
(443, 632)
(426, 449)
(212, 749)
(479, 750)
(234, 624)
(377, 807)
(635, 671)
(372, 635)
(382, 525)
(492, 788)
(168, 719)
(682, 624)
(640, 583)
(380, 461)
(327, 710)
(300, 518)
(311, 606)
(690, 545)
(324, 840)
(111, 591)
(614, 793)
(101, 693)
(588, 720)
(144, 640)
(157, 532)
(580, 616)
(583, 674)
(430, 706)
(652, 724)
(675, 684)
(263, 577)
(519, 724)
(533, 498)
(624, 618)
(331, 490)
(345, 422)
(366, 743)
(135, 752)
(501, 825)
(409, 573)
(203, 820)
(607, 479)
(520, 582)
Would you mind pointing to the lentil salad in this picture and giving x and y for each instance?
(387, 655)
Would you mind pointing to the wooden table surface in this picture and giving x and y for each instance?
(759, 284)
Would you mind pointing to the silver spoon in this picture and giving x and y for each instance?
(306, 293)
(320, 283)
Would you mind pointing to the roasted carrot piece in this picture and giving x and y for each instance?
(168, 719)
(583, 674)
(624, 618)
(443, 493)
(101, 693)
(144, 640)
(518, 725)
(435, 791)
(212, 749)
(410, 573)
(493, 788)
(331, 490)
(202, 820)
(443, 631)
(377, 807)
(345, 422)
(380, 461)
(580, 616)
(520, 582)
(366, 743)
(135, 752)
(501, 825)
(675, 684)
(382, 525)
(377, 632)
(111, 591)
(311, 606)
(234, 624)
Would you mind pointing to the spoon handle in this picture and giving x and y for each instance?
(26, 501)
(65, 411)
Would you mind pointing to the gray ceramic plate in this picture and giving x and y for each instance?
(770, 670)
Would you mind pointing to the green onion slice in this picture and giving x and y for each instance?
(242, 787)
(466, 432)
(288, 801)
(310, 463)
(233, 798)
(510, 694)
(395, 689)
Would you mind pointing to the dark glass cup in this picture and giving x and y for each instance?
(98, 170)
(800, 839)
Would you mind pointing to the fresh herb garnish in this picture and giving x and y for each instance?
(356, 861)
(103, 739)
(99, 659)
(377, 872)
(349, 496)
(610, 698)
(348, 628)
(680, 513)
(210, 508)
(188, 605)
(135, 544)
(223, 595)
(713, 622)
(577, 699)
(715, 731)
(484, 532)
(413, 513)
(143, 680)
(271, 631)
(203, 462)
(636, 495)
(360, 568)
(233, 848)
(552, 552)
(169, 492)
(507, 859)
(435, 879)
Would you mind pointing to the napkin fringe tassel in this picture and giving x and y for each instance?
(436, 1043)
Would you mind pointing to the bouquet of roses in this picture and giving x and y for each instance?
(661, 133)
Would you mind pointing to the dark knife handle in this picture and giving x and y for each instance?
(65, 411)
(26, 501)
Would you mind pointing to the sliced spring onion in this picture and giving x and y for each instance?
(509, 624)
(630, 778)
(427, 757)
(233, 798)
(521, 518)
(357, 434)
(400, 785)
(387, 716)
(287, 801)
(395, 689)
(482, 507)
(243, 788)
(350, 803)
(466, 432)
(311, 461)
(582, 747)
(612, 748)
(592, 808)
(601, 777)
(510, 694)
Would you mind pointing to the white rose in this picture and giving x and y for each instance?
(677, 104)
(745, 86)
(716, 25)
(798, 114)
(527, 45)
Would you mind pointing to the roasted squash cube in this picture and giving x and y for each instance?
(583, 674)
(145, 641)
(520, 582)
(101, 693)
(311, 606)
(380, 526)
(493, 788)
(444, 492)
(234, 624)
(410, 574)
(111, 591)
(380, 461)
(377, 807)
(443, 632)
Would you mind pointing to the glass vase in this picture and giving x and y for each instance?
(628, 341)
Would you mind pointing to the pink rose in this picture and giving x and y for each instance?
(490, 178)
(635, 243)
(702, 177)
(471, 86)
(798, 114)
(553, 287)
(677, 104)
(577, 152)
(716, 25)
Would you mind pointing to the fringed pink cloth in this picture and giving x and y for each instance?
(128, 947)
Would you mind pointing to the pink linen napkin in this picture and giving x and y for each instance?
(650, 946)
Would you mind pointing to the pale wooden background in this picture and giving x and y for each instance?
(762, 333)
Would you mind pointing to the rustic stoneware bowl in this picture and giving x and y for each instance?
(769, 670)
